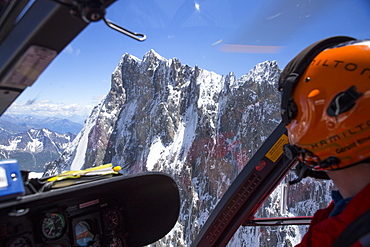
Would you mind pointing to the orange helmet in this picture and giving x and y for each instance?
(325, 106)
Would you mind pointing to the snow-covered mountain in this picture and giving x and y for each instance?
(197, 126)
(33, 148)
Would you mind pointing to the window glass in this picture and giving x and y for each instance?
(195, 100)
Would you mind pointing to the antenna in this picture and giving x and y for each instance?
(137, 36)
(94, 10)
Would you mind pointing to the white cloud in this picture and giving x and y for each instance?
(46, 108)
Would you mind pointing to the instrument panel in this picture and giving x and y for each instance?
(124, 210)
(95, 222)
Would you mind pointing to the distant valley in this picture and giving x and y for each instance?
(34, 141)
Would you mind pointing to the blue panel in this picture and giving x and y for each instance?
(11, 182)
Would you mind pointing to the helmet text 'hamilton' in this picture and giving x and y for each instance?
(355, 130)
(341, 64)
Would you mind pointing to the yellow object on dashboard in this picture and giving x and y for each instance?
(99, 170)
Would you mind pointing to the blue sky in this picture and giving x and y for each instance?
(216, 35)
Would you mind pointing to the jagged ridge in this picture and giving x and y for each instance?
(196, 125)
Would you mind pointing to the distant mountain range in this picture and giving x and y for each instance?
(17, 124)
(33, 141)
(33, 148)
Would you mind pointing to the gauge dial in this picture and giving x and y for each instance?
(19, 242)
(113, 219)
(116, 241)
(53, 225)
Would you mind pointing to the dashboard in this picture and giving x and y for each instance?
(95, 222)
(128, 210)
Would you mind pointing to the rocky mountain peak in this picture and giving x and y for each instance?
(152, 55)
(264, 72)
(195, 125)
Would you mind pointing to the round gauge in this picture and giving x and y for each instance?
(53, 225)
(113, 219)
(19, 242)
(116, 242)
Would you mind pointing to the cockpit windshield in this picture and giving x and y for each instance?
(195, 99)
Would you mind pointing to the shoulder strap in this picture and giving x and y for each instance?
(354, 231)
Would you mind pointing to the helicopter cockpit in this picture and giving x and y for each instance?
(213, 162)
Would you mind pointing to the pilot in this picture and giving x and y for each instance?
(326, 109)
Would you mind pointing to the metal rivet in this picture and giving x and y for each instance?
(14, 176)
